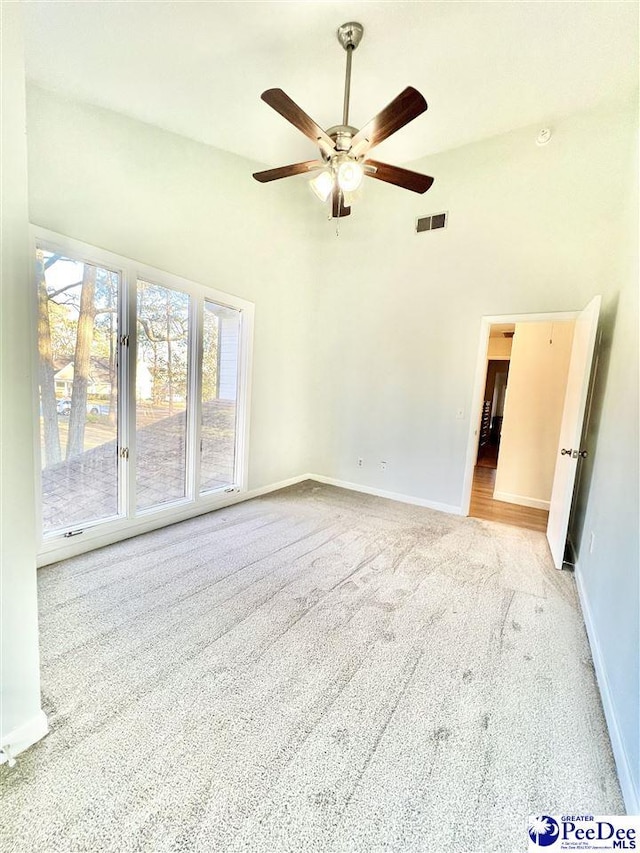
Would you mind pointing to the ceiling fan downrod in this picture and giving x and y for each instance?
(349, 36)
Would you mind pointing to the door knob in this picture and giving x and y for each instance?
(565, 452)
(583, 454)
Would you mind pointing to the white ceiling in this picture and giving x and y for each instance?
(198, 68)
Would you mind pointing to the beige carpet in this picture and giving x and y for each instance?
(314, 670)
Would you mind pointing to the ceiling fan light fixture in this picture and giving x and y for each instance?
(345, 149)
(350, 174)
(322, 185)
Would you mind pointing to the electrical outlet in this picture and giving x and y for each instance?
(592, 539)
(383, 466)
(360, 462)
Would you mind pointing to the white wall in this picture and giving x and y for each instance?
(196, 212)
(533, 412)
(609, 507)
(21, 719)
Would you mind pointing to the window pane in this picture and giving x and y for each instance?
(221, 339)
(161, 394)
(77, 348)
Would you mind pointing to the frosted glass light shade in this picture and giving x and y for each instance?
(350, 176)
(322, 185)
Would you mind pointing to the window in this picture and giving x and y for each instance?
(162, 382)
(78, 384)
(142, 392)
(221, 339)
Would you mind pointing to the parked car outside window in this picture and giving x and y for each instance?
(64, 407)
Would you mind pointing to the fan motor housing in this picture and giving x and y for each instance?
(342, 134)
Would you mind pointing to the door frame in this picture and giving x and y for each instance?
(479, 383)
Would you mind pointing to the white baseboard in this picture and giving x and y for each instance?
(21, 738)
(521, 500)
(273, 487)
(381, 493)
(625, 776)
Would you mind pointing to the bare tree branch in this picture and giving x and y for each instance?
(157, 339)
(53, 293)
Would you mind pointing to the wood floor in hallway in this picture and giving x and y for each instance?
(484, 506)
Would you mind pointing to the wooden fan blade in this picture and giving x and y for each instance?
(403, 109)
(282, 103)
(287, 171)
(404, 178)
(337, 205)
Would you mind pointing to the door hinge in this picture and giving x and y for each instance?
(124, 340)
(124, 453)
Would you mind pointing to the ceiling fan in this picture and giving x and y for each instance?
(344, 149)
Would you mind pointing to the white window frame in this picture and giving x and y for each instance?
(55, 546)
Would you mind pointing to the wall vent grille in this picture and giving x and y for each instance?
(431, 223)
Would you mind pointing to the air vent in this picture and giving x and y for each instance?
(431, 223)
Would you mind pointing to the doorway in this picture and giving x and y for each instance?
(483, 501)
(517, 411)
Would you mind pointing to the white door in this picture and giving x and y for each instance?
(575, 401)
